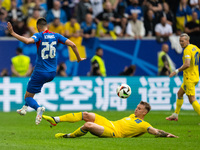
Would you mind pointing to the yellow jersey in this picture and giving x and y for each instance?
(32, 23)
(131, 126)
(72, 30)
(59, 29)
(191, 74)
(21, 64)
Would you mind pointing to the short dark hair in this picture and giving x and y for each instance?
(147, 105)
(19, 50)
(98, 48)
(41, 22)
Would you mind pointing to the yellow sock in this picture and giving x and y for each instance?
(71, 117)
(179, 103)
(77, 133)
(196, 106)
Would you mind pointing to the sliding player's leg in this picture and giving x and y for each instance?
(70, 117)
(93, 128)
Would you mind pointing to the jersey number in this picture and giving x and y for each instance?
(196, 56)
(50, 48)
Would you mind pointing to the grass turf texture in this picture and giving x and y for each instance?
(20, 133)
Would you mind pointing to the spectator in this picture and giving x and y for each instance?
(120, 30)
(165, 64)
(108, 13)
(163, 30)
(15, 13)
(56, 26)
(169, 15)
(88, 27)
(3, 22)
(83, 8)
(120, 7)
(174, 40)
(4, 72)
(56, 12)
(25, 6)
(21, 28)
(173, 5)
(156, 6)
(194, 4)
(21, 66)
(128, 71)
(72, 31)
(134, 8)
(106, 29)
(6, 4)
(97, 64)
(37, 5)
(68, 7)
(197, 10)
(183, 14)
(135, 27)
(192, 28)
(31, 22)
(62, 69)
(150, 23)
(97, 6)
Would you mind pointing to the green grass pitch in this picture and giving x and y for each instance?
(20, 133)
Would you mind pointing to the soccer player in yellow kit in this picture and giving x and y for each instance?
(131, 126)
(190, 70)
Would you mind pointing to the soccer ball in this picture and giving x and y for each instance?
(123, 91)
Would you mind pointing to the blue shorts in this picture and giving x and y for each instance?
(38, 79)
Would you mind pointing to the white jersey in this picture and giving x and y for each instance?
(97, 7)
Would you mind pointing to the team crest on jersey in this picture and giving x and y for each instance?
(49, 36)
(194, 49)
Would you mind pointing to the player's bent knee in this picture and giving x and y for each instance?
(88, 125)
(88, 117)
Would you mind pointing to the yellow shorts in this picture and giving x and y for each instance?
(189, 88)
(109, 128)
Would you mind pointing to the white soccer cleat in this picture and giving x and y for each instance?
(23, 110)
(173, 117)
(40, 111)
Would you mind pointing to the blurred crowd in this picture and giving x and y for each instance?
(85, 19)
(103, 18)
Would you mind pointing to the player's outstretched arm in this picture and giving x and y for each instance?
(183, 67)
(74, 48)
(19, 37)
(160, 133)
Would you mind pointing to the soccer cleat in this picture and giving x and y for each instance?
(23, 110)
(173, 117)
(61, 135)
(40, 111)
(51, 120)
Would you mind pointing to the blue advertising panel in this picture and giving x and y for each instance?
(95, 93)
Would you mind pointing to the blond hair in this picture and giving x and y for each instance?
(187, 37)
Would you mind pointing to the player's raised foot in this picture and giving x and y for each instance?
(23, 110)
(61, 135)
(173, 117)
(40, 111)
(50, 119)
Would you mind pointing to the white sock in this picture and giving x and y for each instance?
(57, 119)
(176, 115)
